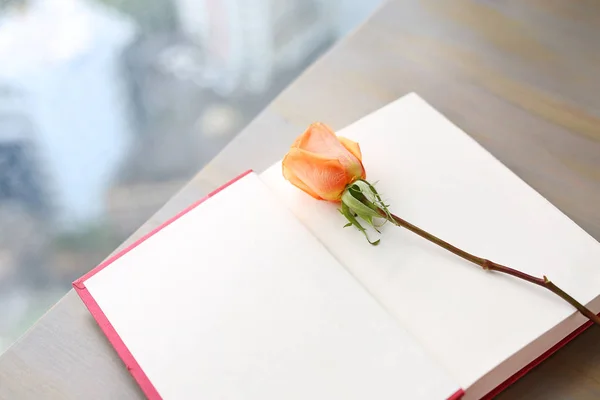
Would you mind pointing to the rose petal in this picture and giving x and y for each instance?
(327, 178)
(351, 146)
(293, 179)
(320, 139)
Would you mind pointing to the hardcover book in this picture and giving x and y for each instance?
(256, 292)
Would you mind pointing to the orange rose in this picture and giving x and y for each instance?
(323, 164)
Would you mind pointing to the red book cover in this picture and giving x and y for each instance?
(115, 340)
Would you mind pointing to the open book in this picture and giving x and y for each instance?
(256, 292)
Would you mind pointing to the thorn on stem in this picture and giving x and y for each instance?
(486, 265)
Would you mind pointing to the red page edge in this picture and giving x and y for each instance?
(146, 385)
(109, 331)
(457, 395)
(523, 371)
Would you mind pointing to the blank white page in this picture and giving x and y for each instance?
(438, 178)
(237, 300)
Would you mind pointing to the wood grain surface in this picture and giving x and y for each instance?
(521, 77)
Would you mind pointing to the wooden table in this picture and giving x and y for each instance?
(521, 77)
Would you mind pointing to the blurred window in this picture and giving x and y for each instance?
(108, 107)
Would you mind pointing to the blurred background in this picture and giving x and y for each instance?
(108, 107)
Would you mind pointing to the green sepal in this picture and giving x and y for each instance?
(351, 198)
(374, 198)
(346, 212)
(361, 200)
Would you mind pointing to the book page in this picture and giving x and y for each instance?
(237, 300)
(438, 178)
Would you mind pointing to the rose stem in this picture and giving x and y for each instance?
(492, 266)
